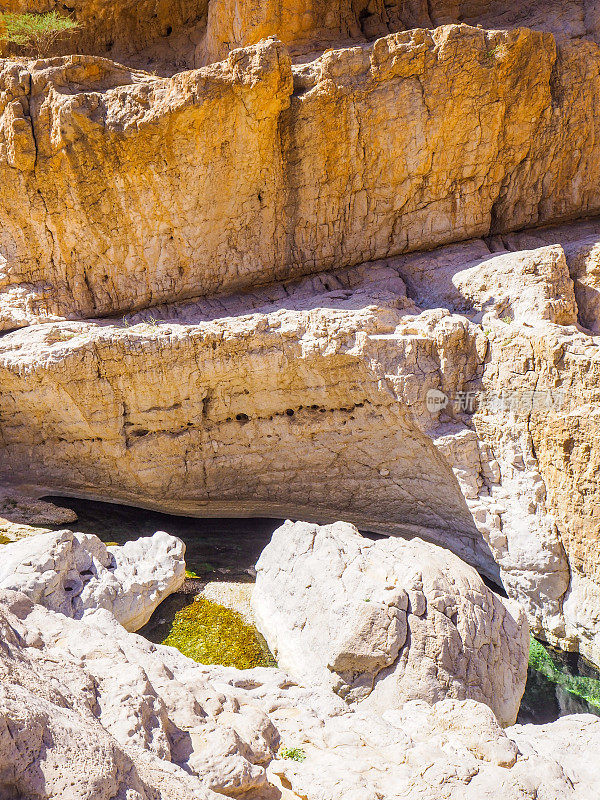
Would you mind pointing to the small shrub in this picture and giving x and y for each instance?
(293, 753)
(496, 53)
(36, 31)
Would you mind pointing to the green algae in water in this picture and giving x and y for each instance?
(541, 660)
(212, 634)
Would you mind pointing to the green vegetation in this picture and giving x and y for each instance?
(495, 53)
(36, 31)
(202, 567)
(4, 539)
(540, 659)
(212, 634)
(292, 753)
(189, 573)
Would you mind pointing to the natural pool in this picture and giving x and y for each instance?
(227, 550)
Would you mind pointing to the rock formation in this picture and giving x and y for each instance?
(388, 621)
(326, 261)
(75, 573)
(22, 509)
(312, 400)
(250, 171)
(131, 719)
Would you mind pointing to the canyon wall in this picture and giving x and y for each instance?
(318, 282)
(123, 190)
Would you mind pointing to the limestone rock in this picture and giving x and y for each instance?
(312, 400)
(388, 621)
(570, 740)
(198, 416)
(75, 574)
(242, 160)
(22, 515)
(136, 720)
(24, 510)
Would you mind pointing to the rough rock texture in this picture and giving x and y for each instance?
(388, 621)
(189, 33)
(75, 574)
(311, 400)
(448, 394)
(21, 509)
(128, 719)
(123, 190)
(202, 418)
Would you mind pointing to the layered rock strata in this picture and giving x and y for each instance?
(314, 400)
(123, 190)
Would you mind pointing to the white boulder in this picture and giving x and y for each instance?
(76, 574)
(383, 622)
(88, 710)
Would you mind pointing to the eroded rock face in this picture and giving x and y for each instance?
(388, 621)
(75, 574)
(166, 31)
(136, 720)
(227, 177)
(20, 509)
(312, 400)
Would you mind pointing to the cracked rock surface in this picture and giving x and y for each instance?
(387, 621)
(136, 721)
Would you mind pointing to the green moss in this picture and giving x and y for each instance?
(212, 634)
(293, 753)
(541, 660)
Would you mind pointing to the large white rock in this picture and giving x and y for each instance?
(383, 622)
(89, 711)
(76, 573)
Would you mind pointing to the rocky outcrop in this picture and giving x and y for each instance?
(127, 718)
(205, 416)
(189, 33)
(76, 574)
(229, 177)
(388, 621)
(317, 400)
(24, 510)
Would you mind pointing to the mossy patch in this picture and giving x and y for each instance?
(293, 753)
(541, 660)
(212, 634)
(4, 539)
